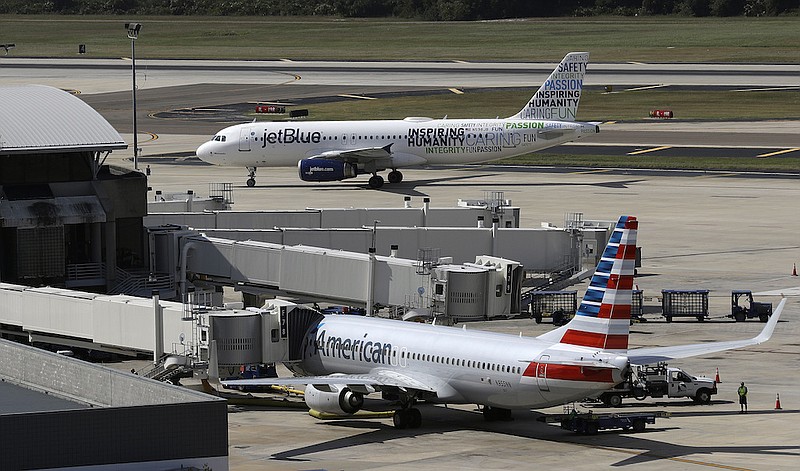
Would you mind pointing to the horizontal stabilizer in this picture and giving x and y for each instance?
(646, 356)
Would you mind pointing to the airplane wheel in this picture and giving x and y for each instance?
(251, 182)
(401, 419)
(415, 418)
(375, 181)
(395, 176)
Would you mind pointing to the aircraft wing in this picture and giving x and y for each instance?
(377, 378)
(646, 356)
(359, 155)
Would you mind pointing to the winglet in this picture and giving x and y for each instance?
(766, 332)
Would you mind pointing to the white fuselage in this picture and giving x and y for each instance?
(467, 366)
(414, 141)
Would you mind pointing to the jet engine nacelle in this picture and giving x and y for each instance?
(325, 170)
(340, 400)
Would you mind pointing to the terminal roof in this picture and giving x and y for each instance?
(38, 118)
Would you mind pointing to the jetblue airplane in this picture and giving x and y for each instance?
(348, 357)
(325, 151)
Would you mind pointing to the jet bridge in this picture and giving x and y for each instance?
(488, 288)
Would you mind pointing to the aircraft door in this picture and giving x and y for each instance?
(541, 372)
(245, 136)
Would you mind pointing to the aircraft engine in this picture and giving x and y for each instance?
(339, 400)
(325, 170)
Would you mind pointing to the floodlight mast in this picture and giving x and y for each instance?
(133, 34)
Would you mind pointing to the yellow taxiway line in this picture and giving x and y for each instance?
(778, 152)
(645, 151)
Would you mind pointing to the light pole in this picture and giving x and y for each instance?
(133, 33)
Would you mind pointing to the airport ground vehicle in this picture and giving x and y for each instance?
(560, 306)
(590, 423)
(684, 303)
(659, 381)
(743, 307)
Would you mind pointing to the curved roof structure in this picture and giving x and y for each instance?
(38, 118)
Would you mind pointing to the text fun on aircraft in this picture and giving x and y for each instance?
(326, 151)
(344, 358)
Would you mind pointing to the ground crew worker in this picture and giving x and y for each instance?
(742, 398)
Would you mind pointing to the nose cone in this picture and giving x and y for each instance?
(205, 153)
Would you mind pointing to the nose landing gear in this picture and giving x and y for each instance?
(251, 182)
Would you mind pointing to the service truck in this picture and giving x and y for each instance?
(658, 381)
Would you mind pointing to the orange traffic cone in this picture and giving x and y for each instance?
(716, 378)
(794, 269)
(777, 401)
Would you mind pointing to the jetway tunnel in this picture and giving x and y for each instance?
(489, 287)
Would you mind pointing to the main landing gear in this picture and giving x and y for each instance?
(251, 182)
(492, 414)
(408, 417)
(376, 181)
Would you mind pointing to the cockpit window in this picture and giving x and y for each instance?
(219, 138)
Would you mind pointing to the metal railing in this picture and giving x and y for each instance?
(141, 283)
(82, 274)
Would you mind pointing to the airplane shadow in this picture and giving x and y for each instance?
(411, 188)
(439, 420)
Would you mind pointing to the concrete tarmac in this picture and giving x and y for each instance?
(698, 231)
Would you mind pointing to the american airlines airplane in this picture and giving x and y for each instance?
(325, 151)
(346, 357)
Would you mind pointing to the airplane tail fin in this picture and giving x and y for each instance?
(603, 318)
(558, 97)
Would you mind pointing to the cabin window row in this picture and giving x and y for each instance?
(442, 359)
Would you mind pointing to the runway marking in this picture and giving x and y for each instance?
(645, 151)
(637, 63)
(358, 97)
(769, 89)
(585, 172)
(649, 87)
(460, 61)
(286, 60)
(456, 91)
(778, 152)
(636, 89)
(716, 175)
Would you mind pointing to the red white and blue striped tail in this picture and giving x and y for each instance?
(603, 318)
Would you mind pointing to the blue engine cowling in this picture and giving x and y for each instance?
(323, 170)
